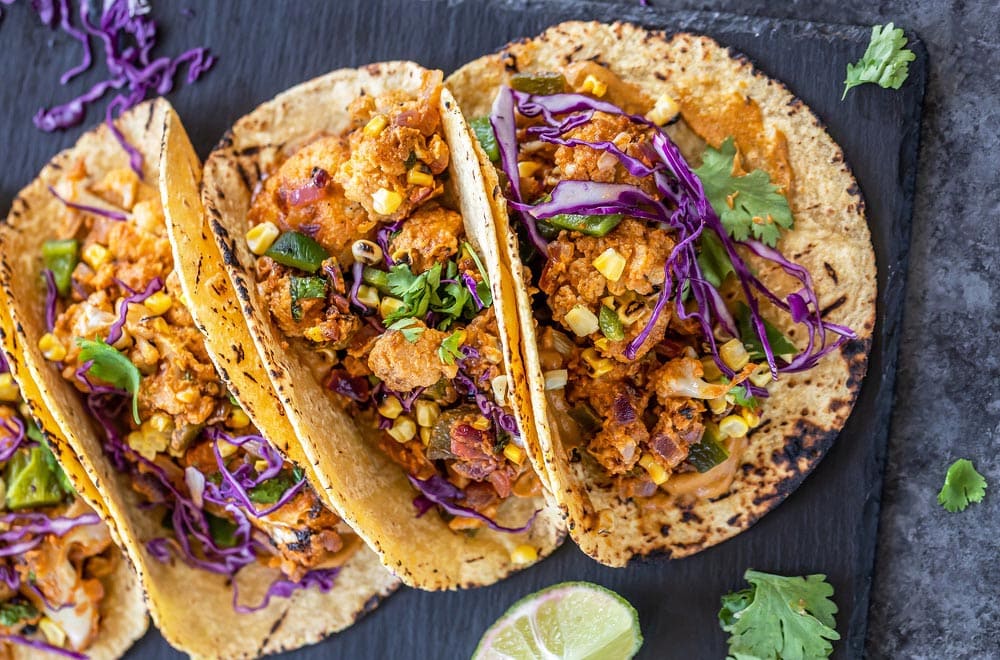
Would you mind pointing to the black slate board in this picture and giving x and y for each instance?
(828, 525)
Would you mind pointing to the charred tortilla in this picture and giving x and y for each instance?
(719, 94)
(193, 608)
(372, 493)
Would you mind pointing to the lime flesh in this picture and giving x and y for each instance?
(568, 621)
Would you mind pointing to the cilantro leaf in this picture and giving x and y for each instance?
(780, 344)
(780, 617)
(13, 613)
(962, 485)
(408, 326)
(885, 61)
(745, 204)
(113, 368)
(416, 291)
(742, 398)
(712, 259)
(449, 350)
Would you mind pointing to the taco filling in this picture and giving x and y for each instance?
(646, 296)
(54, 551)
(366, 269)
(121, 332)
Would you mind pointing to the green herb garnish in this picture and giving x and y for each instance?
(450, 348)
(885, 61)
(712, 259)
(301, 288)
(483, 131)
(780, 344)
(271, 490)
(411, 331)
(13, 613)
(962, 485)
(61, 257)
(113, 368)
(748, 204)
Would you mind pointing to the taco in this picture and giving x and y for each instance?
(65, 588)
(646, 187)
(368, 282)
(237, 554)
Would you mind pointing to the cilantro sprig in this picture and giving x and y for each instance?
(885, 62)
(780, 617)
(450, 349)
(410, 329)
(113, 368)
(962, 485)
(748, 204)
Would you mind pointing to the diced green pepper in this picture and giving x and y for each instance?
(585, 416)
(376, 278)
(301, 288)
(487, 139)
(543, 82)
(297, 250)
(30, 481)
(610, 324)
(55, 468)
(13, 613)
(591, 225)
(61, 257)
(709, 452)
(223, 531)
(271, 490)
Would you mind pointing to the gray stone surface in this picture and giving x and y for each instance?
(935, 590)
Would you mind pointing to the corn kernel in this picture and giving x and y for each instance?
(710, 370)
(524, 554)
(610, 264)
(261, 237)
(598, 365)
(260, 465)
(55, 635)
(527, 168)
(734, 354)
(425, 435)
(609, 302)
(385, 201)
(388, 305)
(376, 125)
(403, 429)
(52, 348)
(418, 177)
(761, 376)
(190, 395)
(751, 418)
(500, 384)
(427, 413)
(656, 472)
(390, 407)
(591, 85)
(226, 449)
(9, 392)
(95, 255)
(237, 419)
(315, 334)
(733, 426)
(160, 422)
(582, 321)
(718, 405)
(602, 344)
(664, 110)
(556, 379)
(513, 453)
(481, 424)
(158, 303)
(368, 295)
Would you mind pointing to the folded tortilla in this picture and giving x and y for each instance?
(805, 411)
(192, 607)
(369, 491)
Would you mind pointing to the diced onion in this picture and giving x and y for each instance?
(582, 321)
(556, 379)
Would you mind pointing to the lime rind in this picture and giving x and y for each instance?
(567, 621)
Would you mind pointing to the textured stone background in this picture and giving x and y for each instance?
(935, 592)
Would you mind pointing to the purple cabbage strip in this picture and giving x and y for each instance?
(37, 525)
(471, 284)
(49, 605)
(51, 296)
(39, 645)
(9, 577)
(10, 444)
(356, 271)
(115, 331)
(235, 485)
(321, 578)
(107, 213)
(443, 493)
(382, 238)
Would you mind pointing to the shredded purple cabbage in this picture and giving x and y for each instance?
(321, 578)
(21, 640)
(115, 331)
(683, 207)
(128, 38)
(356, 271)
(382, 238)
(11, 443)
(37, 526)
(96, 210)
(443, 493)
(51, 296)
(9, 577)
(470, 283)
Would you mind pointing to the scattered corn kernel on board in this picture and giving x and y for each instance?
(827, 526)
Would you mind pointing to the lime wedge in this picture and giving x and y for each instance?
(568, 621)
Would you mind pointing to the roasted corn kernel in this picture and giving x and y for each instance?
(481, 423)
(718, 406)
(664, 110)
(751, 418)
(376, 125)
(190, 395)
(158, 303)
(524, 554)
(390, 407)
(368, 295)
(656, 472)
(9, 392)
(710, 370)
(582, 321)
(237, 419)
(159, 422)
(427, 412)
(514, 453)
(591, 85)
(261, 237)
(733, 426)
(734, 354)
(385, 201)
(95, 255)
(761, 376)
(425, 435)
(610, 264)
(55, 635)
(597, 365)
(403, 429)
(418, 177)
(52, 348)
(527, 168)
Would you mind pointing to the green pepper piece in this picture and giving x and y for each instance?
(55, 468)
(591, 225)
(270, 491)
(13, 613)
(305, 287)
(708, 453)
(297, 250)
(487, 139)
(223, 530)
(610, 324)
(376, 278)
(61, 257)
(543, 82)
(548, 231)
(585, 416)
(30, 481)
